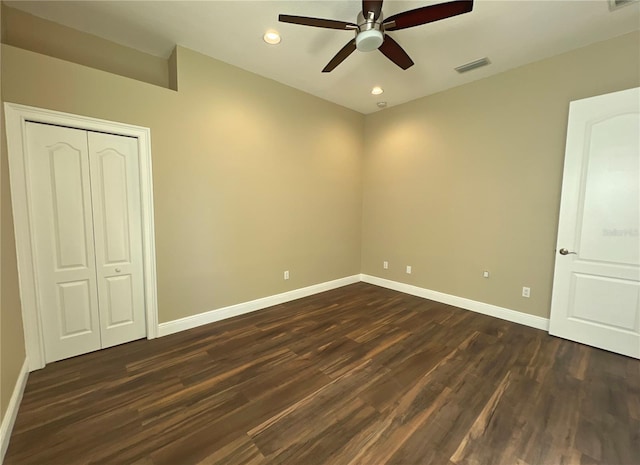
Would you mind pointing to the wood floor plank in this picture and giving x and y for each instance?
(357, 375)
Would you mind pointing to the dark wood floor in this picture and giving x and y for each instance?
(358, 375)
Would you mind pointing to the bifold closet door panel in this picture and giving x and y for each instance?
(115, 190)
(59, 197)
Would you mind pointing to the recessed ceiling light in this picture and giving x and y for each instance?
(381, 104)
(377, 90)
(271, 37)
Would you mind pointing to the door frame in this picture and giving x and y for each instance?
(16, 117)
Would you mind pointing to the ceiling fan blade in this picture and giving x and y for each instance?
(371, 5)
(340, 56)
(427, 14)
(392, 50)
(317, 22)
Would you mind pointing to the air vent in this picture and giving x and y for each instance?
(474, 64)
(615, 4)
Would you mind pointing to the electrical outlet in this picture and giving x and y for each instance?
(286, 275)
(526, 292)
(385, 265)
(408, 269)
(485, 274)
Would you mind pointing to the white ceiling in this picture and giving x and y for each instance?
(510, 32)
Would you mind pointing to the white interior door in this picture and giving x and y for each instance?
(60, 202)
(84, 195)
(113, 163)
(596, 290)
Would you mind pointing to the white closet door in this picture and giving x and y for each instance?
(115, 189)
(61, 218)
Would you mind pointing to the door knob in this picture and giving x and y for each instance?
(564, 251)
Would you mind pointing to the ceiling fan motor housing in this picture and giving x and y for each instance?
(369, 35)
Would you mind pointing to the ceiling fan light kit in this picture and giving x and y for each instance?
(369, 35)
(371, 28)
(368, 41)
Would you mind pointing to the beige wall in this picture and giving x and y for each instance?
(469, 179)
(251, 177)
(2, 388)
(12, 351)
(36, 34)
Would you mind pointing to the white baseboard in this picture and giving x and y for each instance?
(12, 410)
(218, 314)
(175, 326)
(467, 304)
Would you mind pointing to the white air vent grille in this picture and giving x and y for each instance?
(615, 4)
(472, 65)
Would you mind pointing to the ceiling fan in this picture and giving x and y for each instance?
(371, 28)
